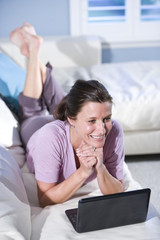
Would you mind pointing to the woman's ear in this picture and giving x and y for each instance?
(71, 121)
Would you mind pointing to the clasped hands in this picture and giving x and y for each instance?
(90, 158)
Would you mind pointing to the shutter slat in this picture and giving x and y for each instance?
(150, 10)
(106, 11)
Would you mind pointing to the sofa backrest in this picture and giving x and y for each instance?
(62, 51)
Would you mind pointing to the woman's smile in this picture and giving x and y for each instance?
(92, 124)
(98, 138)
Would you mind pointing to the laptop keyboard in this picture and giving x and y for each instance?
(73, 218)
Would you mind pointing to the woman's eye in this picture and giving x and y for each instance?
(91, 121)
(107, 119)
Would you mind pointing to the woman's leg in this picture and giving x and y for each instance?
(37, 73)
(31, 107)
(33, 84)
(52, 91)
(40, 90)
(29, 44)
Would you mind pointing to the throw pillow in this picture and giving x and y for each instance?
(12, 78)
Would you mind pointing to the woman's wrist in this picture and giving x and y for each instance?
(83, 175)
(100, 169)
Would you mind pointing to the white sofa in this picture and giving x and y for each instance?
(21, 218)
(135, 86)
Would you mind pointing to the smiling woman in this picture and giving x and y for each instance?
(88, 109)
(92, 124)
(76, 144)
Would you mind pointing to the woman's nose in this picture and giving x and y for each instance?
(101, 127)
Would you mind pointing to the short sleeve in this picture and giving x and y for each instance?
(114, 151)
(46, 153)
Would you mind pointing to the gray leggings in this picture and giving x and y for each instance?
(35, 113)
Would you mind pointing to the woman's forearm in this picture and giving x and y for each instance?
(64, 190)
(107, 183)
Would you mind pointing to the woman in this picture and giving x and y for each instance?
(80, 143)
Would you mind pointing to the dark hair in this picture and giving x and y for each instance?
(81, 92)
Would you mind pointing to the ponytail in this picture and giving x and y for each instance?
(60, 110)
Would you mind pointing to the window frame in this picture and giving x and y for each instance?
(133, 30)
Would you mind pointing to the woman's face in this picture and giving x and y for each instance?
(92, 124)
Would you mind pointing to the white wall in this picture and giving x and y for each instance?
(50, 17)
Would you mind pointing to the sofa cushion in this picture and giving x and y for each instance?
(9, 134)
(134, 87)
(14, 208)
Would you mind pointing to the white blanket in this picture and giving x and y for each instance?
(52, 223)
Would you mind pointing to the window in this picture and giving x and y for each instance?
(150, 10)
(116, 20)
(106, 11)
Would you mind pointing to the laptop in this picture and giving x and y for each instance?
(108, 211)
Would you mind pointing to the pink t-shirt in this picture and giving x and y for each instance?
(51, 157)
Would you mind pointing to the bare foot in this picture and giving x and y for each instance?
(17, 38)
(22, 37)
(28, 28)
(33, 41)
